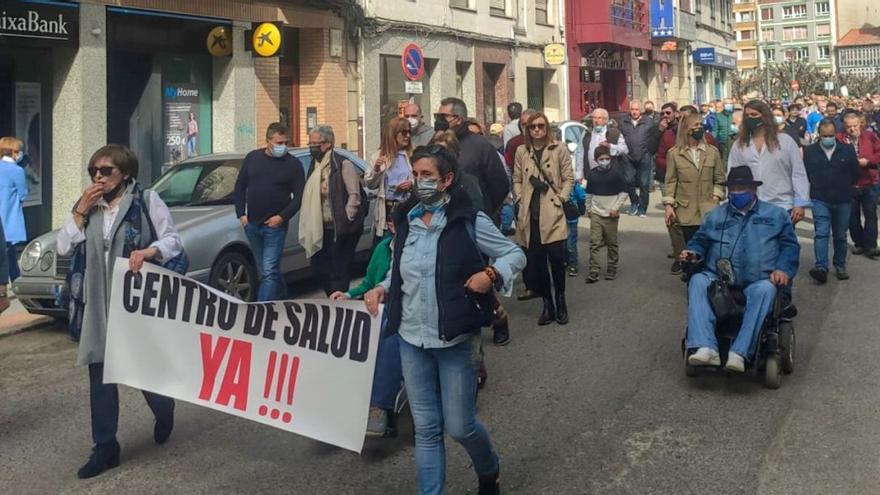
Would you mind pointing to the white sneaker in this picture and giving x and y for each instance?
(705, 357)
(735, 362)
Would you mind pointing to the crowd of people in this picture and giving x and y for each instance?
(460, 212)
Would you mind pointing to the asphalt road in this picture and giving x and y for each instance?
(600, 406)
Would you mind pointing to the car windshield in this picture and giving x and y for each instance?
(199, 183)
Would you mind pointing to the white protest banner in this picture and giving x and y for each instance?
(303, 366)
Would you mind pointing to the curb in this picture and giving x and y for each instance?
(36, 323)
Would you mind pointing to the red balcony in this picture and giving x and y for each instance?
(623, 22)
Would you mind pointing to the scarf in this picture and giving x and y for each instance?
(311, 218)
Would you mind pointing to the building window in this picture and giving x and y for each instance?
(535, 89)
(541, 12)
(747, 35)
(393, 96)
(745, 16)
(767, 34)
(794, 33)
(769, 54)
(822, 9)
(824, 52)
(823, 30)
(461, 4)
(801, 53)
(748, 54)
(767, 14)
(794, 11)
(498, 7)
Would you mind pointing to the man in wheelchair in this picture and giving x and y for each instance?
(746, 246)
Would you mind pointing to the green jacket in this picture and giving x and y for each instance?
(377, 269)
(721, 129)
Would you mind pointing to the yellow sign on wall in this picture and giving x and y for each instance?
(554, 54)
(266, 39)
(219, 41)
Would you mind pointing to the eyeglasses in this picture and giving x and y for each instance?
(532, 127)
(105, 171)
(442, 115)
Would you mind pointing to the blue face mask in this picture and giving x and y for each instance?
(728, 107)
(599, 129)
(279, 150)
(734, 128)
(828, 142)
(741, 200)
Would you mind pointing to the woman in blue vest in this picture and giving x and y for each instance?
(438, 299)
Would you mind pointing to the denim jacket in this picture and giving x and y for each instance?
(757, 242)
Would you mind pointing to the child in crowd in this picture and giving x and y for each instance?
(578, 196)
(606, 194)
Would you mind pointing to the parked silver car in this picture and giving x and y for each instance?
(199, 193)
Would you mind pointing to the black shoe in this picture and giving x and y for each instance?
(676, 268)
(548, 314)
(872, 253)
(572, 271)
(104, 457)
(611, 275)
(501, 335)
(490, 485)
(857, 250)
(820, 275)
(561, 309)
(163, 427)
(592, 278)
(840, 273)
(789, 311)
(527, 295)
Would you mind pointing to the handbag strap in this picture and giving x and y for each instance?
(544, 176)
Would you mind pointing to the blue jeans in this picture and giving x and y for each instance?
(386, 380)
(643, 174)
(701, 318)
(572, 244)
(830, 218)
(442, 388)
(506, 217)
(864, 235)
(268, 245)
(191, 144)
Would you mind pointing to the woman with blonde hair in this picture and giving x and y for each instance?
(694, 179)
(390, 172)
(542, 180)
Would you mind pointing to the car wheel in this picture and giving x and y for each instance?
(234, 274)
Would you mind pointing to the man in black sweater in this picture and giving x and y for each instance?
(268, 193)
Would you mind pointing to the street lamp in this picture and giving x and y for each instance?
(764, 63)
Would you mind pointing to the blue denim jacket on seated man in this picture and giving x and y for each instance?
(767, 242)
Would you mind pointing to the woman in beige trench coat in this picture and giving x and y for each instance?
(542, 179)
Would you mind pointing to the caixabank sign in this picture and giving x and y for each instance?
(39, 24)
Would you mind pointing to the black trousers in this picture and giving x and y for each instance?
(333, 262)
(104, 401)
(688, 231)
(538, 256)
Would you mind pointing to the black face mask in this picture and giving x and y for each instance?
(752, 123)
(698, 134)
(110, 196)
(316, 152)
(649, 112)
(441, 124)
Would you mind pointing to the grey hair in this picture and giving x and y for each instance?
(602, 111)
(458, 107)
(325, 131)
(530, 111)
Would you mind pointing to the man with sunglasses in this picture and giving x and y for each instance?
(268, 193)
(421, 132)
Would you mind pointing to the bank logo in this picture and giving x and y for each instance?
(32, 24)
(172, 92)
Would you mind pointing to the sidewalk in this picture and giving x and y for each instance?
(16, 319)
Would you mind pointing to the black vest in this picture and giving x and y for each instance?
(458, 258)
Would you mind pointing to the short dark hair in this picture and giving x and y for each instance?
(794, 107)
(826, 123)
(514, 110)
(459, 108)
(852, 113)
(671, 104)
(689, 109)
(831, 104)
(442, 158)
(122, 157)
(601, 150)
(277, 128)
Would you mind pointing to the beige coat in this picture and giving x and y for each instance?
(694, 189)
(374, 179)
(556, 164)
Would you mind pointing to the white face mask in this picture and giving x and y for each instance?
(572, 147)
(604, 163)
(413, 122)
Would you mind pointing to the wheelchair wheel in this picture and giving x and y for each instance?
(773, 372)
(787, 346)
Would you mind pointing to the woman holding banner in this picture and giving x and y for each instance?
(112, 220)
(438, 291)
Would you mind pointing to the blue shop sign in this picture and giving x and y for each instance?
(708, 56)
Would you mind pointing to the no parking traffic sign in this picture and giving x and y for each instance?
(413, 62)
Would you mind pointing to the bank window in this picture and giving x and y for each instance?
(767, 34)
(823, 30)
(824, 52)
(498, 7)
(541, 16)
(794, 11)
(535, 88)
(822, 8)
(767, 14)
